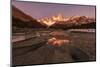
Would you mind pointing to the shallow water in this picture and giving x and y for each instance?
(76, 47)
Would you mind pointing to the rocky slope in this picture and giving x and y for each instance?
(20, 19)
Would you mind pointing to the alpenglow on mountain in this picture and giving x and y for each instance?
(60, 19)
(21, 19)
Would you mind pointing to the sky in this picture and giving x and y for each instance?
(40, 10)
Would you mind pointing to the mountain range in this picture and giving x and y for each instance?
(22, 20)
(60, 21)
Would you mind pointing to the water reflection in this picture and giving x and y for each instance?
(58, 38)
(58, 42)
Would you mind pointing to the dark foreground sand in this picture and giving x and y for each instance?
(36, 50)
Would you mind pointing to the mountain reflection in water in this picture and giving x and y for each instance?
(55, 47)
(57, 42)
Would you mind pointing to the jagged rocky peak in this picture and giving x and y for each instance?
(60, 18)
